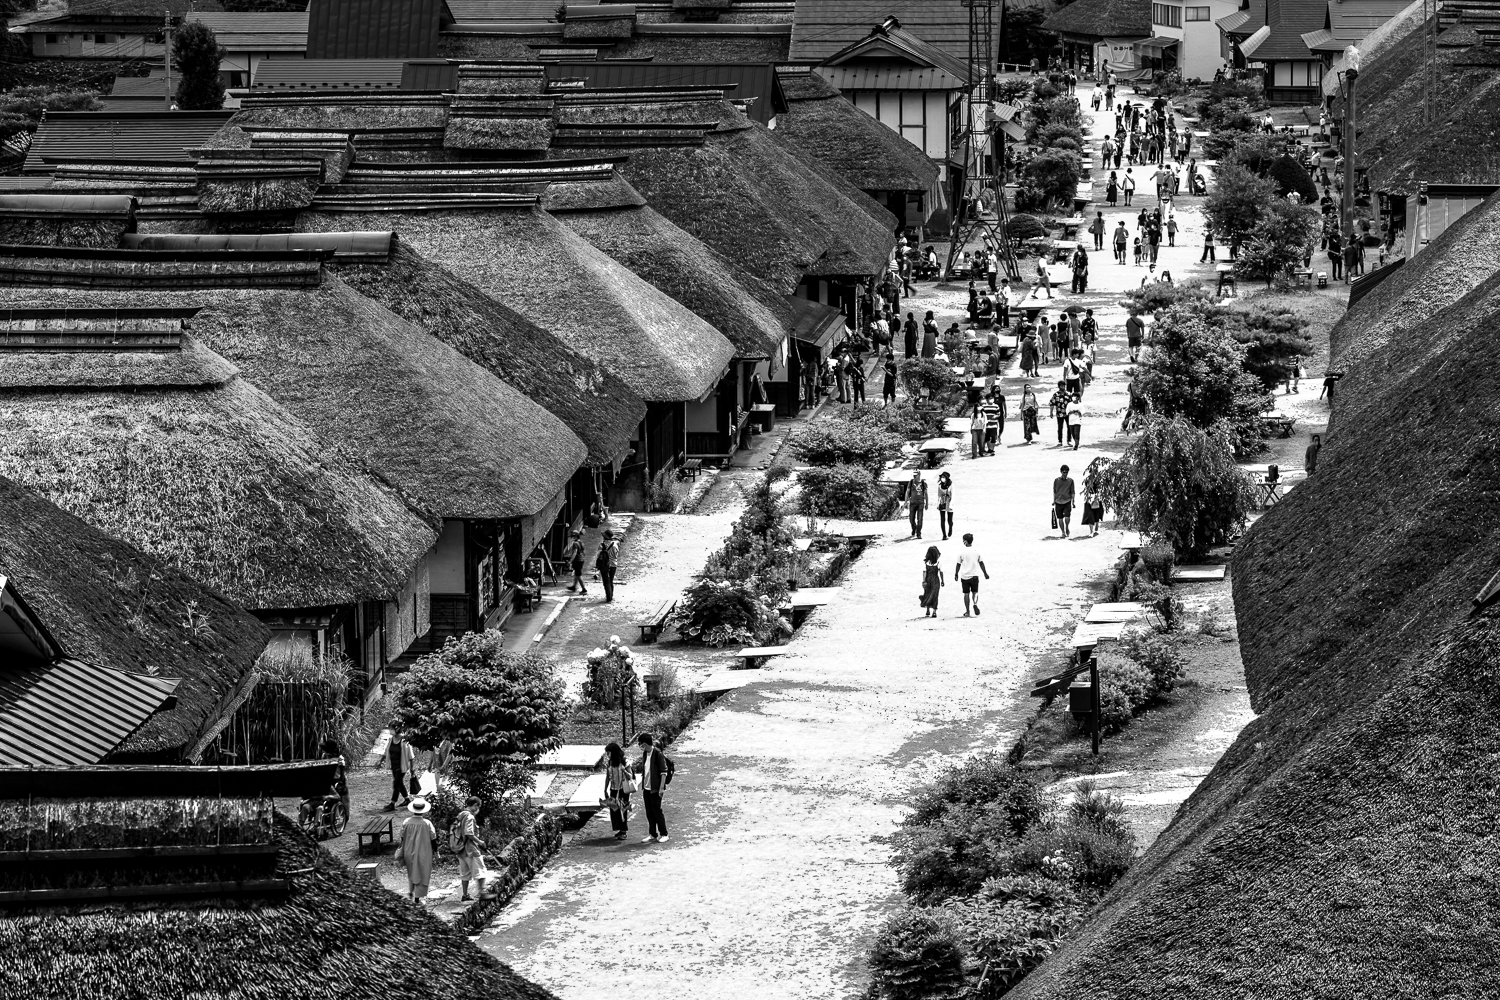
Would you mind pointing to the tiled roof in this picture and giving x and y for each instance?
(1289, 20)
(890, 78)
(892, 41)
(822, 27)
(492, 11)
(752, 81)
(1103, 19)
(86, 9)
(375, 29)
(110, 135)
(329, 74)
(278, 31)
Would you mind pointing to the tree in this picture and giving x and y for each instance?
(1281, 238)
(1288, 175)
(1197, 369)
(196, 54)
(1237, 200)
(501, 710)
(1179, 483)
(1055, 174)
(21, 109)
(1272, 336)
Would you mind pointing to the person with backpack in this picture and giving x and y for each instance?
(606, 562)
(463, 840)
(656, 770)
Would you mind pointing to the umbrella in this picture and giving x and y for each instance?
(1074, 309)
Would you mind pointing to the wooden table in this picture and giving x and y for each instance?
(1089, 634)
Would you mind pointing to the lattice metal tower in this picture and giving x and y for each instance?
(980, 133)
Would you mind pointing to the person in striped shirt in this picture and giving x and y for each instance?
(993, 409)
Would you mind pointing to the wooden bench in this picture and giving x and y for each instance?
(652, 624)
(755, 656)
(1083, 194)
(374, 829)
(690, 469)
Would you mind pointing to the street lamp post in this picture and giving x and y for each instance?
(1350, 76)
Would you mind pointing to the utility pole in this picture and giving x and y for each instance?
(166, 34)
(1351, 77)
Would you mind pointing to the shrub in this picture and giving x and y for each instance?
(1099, 811)
(835, 442)
(1055, 174)
(1282, 238)
(839, 491)
(1237, 201)
(1180, 483)
(1197, 372)
(1288, 175)
(1058, 132)
(1009, 937)
(917, 956)
(1160, 655)
(1158, 560)
(1025, 227)
(1156, 295)
(928, 376)
(901, 419)
(1160, 599)
(1034, 890)
(197, 53)
(1272, 336)
(21, 109)
(1115, 710)
(984, 779)
(1090, 859)
(1012, 90)
(1132, 682)
(720, 613)
(758, 551)
(492, 704)
(1046, 91)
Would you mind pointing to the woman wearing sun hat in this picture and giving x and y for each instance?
(418, 841)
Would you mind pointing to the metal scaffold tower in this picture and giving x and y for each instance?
(981, 135)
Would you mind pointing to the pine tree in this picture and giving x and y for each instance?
(196, 54)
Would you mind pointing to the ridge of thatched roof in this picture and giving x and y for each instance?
(113, 605)
(819, 122)
(593, 401)
(340, 931)
(221, 483)
(656, 345)
(455, 439)
(1353, 816)
(1102, 19)
(191, 366)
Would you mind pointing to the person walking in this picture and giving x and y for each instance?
(932, 582)
(1072, 373)
(857, 380)
(1097, 228)
(992, 270)
(619, 782)
(1135, 411)
(1310, 460)
(1208, 244)
(1093, 513)
(1029, 409)
(1128, 185)
(1135, 332)
(1062, 500)
(993, 409)
(463, 840)
(607, 562)
(945, 503)
(976, 433)
(1075, 420)
(401, 759)
(1336, 254)
(574, 555)
(841, 376)
(1122, 239)
(888, 382)
(910, 331)
(1043, 280)
(1080, 266)
(656, 770)
(1172, 230)
(417, 843)
(929, 336)
(966, 571)
(1057, 406)
(1030, 354)
(916, 503)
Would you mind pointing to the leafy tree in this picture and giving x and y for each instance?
(196, 54)
(1288, 175)
(1237, 200)
(1272, 336)
(1055, 173)
(1282, 237)
(500, 709)
(1197, 369)
(1023, 36)
(21, 109)
(838, 491)
(1179, 482)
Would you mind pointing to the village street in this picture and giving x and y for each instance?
(775, 873)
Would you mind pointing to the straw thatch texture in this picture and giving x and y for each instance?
(332, 118)
(819, 122)
(557, 280)
(115, 606)
(450, 435)
(740, 305)
(335, 937)
(278, 189)
(516, 133)
(1341, 848)
(193, 365)
(598, 28)
(573, 196)
(98, 233)
(223, 484)
(594, 402)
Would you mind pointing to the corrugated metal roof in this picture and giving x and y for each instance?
(750, 81)
(375, 29)
(328, 74)
(1229, 25)
(814, 323)
(481, 11)
(139, 86)
(280, 31)
(822, 27)
(111, 135)
(1321, 39)
(881, 78)
(1255, 41)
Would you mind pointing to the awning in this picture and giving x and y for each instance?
(1255, 41)
(813, 323)
(1154, 47)
(1229, 25)
(1013, 131)
(73, 712)
(1322, 40)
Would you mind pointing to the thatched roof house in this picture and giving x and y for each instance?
(290, 921)
(820, 122)
(454, 438)
(115, 607)
(1343, 846)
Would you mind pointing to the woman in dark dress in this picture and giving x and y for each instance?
(910, 332)
(932, 581)
(888, 388)
(1111, 190)
(973, 304)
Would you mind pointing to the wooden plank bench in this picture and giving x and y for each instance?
(1198, 574)
(652, 624)
(374, 829)
(589, 796)
(723, 681)
(690, 469)
(755, 656)
(574, 756)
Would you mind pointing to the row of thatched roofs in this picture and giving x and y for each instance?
(279, 366)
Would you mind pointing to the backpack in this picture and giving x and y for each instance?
(456, 833)
(671, 770)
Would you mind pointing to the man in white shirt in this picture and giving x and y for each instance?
(967, 571)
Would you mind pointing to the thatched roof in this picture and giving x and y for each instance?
(1342, 847)
(1398, 148)
(113, 605)
(557, 280)
(191, 366)
(1102, 19)
(454, 438)
(821, 123)
(334, 935)
(221, 483)
(593, 401)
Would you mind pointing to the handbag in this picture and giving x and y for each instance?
(1054, 517)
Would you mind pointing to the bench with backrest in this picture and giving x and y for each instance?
(652, 624)
(374, 829)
